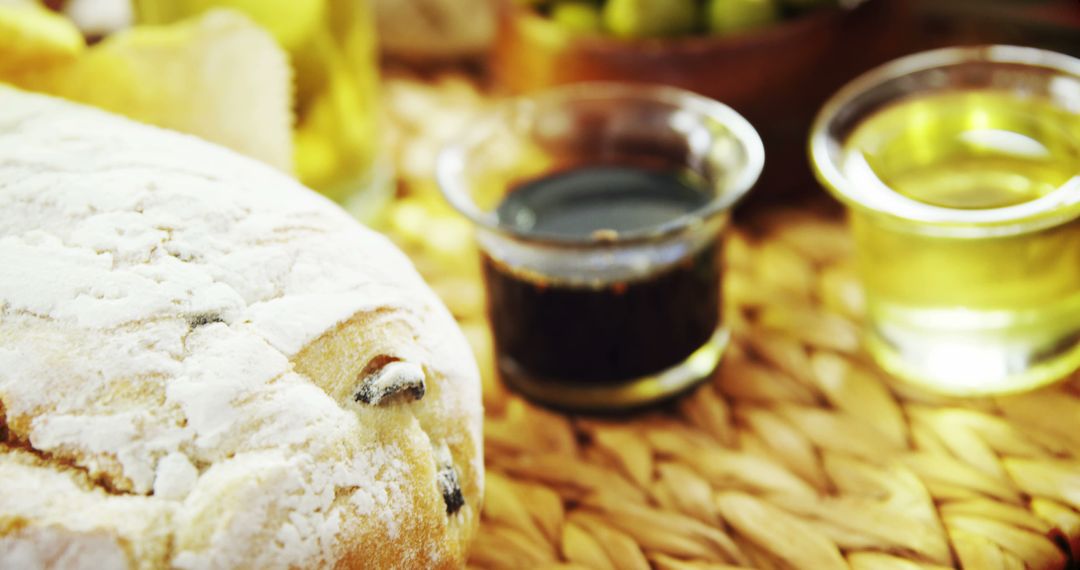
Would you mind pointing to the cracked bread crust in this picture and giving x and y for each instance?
(183, 334)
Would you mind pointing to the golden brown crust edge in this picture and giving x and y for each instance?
(428, 537)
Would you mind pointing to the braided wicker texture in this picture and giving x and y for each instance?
(798, 454)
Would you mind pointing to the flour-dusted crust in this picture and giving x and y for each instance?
(205, 365)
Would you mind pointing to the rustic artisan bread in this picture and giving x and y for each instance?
(205, 365)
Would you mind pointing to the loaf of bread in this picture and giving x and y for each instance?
(205, 365)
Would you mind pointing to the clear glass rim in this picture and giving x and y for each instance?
(450, 164)
(1055, 207)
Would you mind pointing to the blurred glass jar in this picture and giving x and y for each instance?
(332, 47)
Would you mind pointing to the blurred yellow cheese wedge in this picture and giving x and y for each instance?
(32, 37)
(220, 77)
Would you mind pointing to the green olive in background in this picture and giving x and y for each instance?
(729, 16)
(650, 18)
(583, 17)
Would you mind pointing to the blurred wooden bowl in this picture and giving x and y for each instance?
(777, 76)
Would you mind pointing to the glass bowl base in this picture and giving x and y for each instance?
(624, 396)
(983, 364)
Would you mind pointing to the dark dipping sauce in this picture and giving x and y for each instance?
(611, 331)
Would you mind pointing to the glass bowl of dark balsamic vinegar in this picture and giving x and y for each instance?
(599, 210)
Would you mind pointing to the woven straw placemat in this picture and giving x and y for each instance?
(798, 454)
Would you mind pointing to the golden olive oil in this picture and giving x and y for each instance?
(976, 309)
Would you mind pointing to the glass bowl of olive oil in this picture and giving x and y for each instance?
(961, 171)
